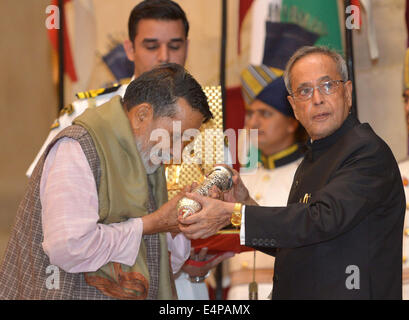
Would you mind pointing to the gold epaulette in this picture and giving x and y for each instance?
(68, 109)
(97, 92)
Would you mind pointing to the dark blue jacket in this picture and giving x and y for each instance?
(340, 236)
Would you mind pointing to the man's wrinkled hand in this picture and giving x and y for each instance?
(165, 219)
(213, 216)
(238, 192)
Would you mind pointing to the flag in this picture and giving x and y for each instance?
(118, 63)
(285, 25)
(320, 16)
(243, 9)
(356, 3)
(366, 5)
(53, 36)
(79, 36)
(84, 42)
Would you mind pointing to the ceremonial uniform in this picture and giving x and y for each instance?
(269, 185)
(88, 99)
(404, 169)
(340, 236)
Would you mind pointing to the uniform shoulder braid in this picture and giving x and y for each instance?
(98, 92)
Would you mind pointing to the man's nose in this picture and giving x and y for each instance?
(163, 56)
(317, 97)
(253, 122)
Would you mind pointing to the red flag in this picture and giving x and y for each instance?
(235, 113)
(244, 7)
(356, 3)
(53, 36)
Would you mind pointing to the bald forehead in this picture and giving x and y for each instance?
(316, 58)
(315, 66)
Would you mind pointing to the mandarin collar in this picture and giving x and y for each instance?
(324, 143)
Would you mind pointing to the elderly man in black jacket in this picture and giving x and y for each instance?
(340, 235)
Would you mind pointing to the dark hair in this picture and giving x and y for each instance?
(158, 10)
(162, 86)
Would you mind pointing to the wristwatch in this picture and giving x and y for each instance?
(199, 279)
(236, 215)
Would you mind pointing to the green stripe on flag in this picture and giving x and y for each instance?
(320, 16)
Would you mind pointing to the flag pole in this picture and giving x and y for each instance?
(223, 59)
(219, 269)
(349, 54)
(61, 56)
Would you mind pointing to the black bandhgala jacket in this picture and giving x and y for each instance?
(340, 236)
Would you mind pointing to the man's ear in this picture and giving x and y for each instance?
(348, 92)
(144, 112)
(140, 115)
(292, 102)
(293, 125)
(129, 50)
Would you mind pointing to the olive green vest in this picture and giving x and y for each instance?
(123, 194)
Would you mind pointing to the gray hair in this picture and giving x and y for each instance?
(162, 87)
(307, 50)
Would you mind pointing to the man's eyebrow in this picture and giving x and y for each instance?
(324, 78)
(310, 83)
(305, 84)
(151, 40)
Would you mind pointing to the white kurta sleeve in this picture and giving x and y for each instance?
(73, 238)
(179, 248)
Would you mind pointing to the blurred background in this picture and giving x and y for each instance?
(29, 99)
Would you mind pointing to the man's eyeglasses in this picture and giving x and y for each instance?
(326, 87)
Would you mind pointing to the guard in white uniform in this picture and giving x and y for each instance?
(88, 99)
(280, 140)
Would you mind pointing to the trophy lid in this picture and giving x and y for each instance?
(227, 173)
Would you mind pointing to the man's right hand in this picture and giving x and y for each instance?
(238, 193)
(165, 219)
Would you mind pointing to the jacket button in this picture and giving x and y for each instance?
(273, 243)
(254, 242)
(275, 278)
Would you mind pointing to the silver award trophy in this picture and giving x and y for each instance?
(220, 177)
